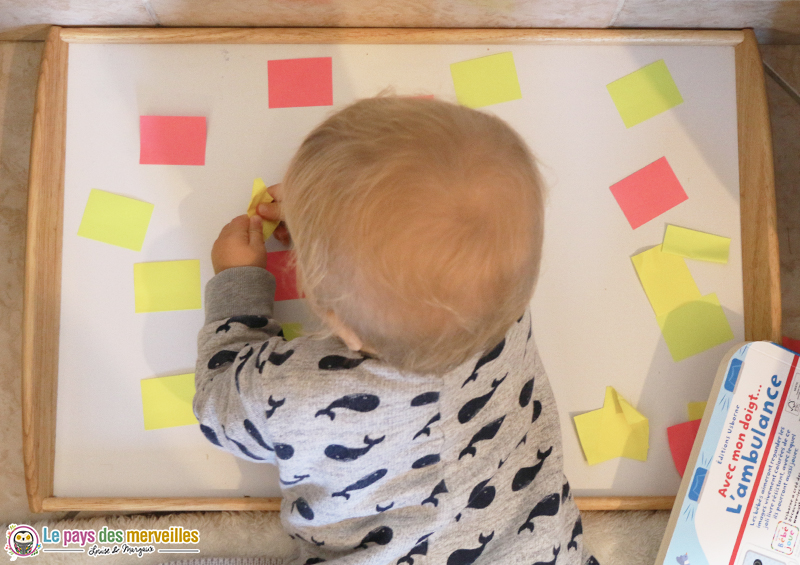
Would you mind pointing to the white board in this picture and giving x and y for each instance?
(593, 323)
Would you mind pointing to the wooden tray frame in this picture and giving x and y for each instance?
(42, 298)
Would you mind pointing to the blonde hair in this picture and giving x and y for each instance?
(419, 223)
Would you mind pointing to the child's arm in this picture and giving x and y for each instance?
(238, 337)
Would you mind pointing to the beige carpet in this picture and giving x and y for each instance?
(619, 538)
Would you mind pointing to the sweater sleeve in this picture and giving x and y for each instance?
(232, 374)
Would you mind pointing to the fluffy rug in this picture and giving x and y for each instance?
(618, 538)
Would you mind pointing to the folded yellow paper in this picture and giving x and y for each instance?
(615, 430)
(260, 195)
(696, 244)
(666, 279)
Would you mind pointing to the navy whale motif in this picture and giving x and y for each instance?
(525, 475)
(252, 322)
(342, 453)
(491, 356)
(485, 433)
(363, 482)
(469, 556)
(381, 536)
(548, 506)
(472, 407)
(357, 402)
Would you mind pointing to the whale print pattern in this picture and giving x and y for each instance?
(471, 408)
(339, 363)
(364, 482)
(357, 402)
(426, 429)
(273, 405)
(548, 506)
(576, 531)
(420, 549)
(425, 398)
(366, 454)
(381, 536)
(303, 509)
(556, 551)
(252, 322)
(525, 475)
(222, 358)
(487, 432)
(469, 556)
(440, 488)
(342, 453)
(488, 358)
(243, 360)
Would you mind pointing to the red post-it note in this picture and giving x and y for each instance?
(172, 140)
(791, 344)
(681, 439)
(300, 82)
(648, 193)
(281, 264)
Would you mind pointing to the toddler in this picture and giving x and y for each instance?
(421, 427)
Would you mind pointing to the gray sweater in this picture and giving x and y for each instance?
(386, 467)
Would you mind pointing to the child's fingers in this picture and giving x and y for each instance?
(238, 224)
(276, 191)
(255, 233)
(271, 211)
(282, 234)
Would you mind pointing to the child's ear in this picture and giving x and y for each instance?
(350, 339)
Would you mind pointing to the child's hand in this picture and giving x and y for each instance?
(240, 244)
(273, 212)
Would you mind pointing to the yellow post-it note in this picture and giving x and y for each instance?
(292, 330)
(696, 410)
(115, 219)
(644, 93)
(615, 430)
(167, 285)
(486, 80)
(666, 279)
(258, 196)
(167, 401)
(695, 327)
(696, 244)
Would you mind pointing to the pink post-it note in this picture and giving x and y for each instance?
(648, 193)
(281, 264)
(681, 439)
(172, 140)
(294, 83)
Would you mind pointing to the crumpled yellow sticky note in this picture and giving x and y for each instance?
(261, 195)
(615, 430)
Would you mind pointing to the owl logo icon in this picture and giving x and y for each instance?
(22, 541)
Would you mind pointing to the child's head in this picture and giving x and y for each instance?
(418, 226)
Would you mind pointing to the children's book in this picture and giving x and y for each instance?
(739, 502)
